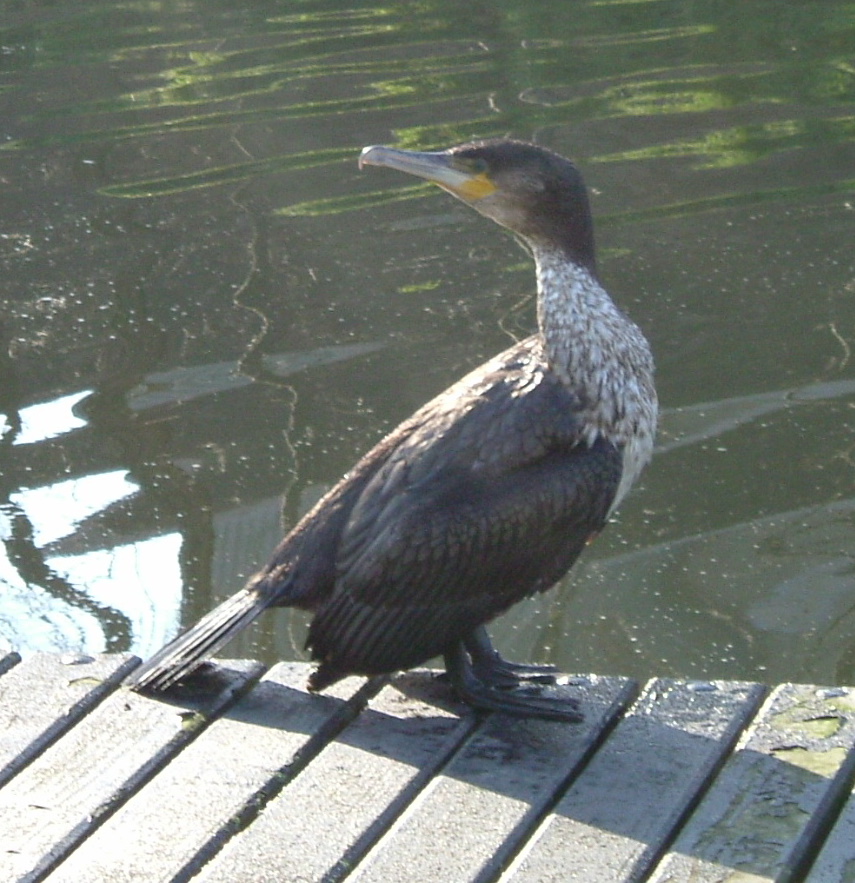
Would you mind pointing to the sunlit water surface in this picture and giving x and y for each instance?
(207, 312)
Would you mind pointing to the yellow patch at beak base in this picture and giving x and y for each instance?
(476, 187)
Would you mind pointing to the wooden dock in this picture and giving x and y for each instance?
(247, 777)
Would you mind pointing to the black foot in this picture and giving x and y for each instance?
(516, 698)
(493, 670)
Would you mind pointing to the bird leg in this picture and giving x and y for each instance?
(492, 669)
(521, 700)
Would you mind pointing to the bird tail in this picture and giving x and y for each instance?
(186, 652)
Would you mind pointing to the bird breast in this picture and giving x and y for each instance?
(602, 357)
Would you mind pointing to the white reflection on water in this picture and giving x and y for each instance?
(140, 580)
(57, 510)
(33, 620)
(48, 419)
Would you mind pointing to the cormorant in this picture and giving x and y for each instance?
(490, 491)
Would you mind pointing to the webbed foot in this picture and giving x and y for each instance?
(494, 670)
(505, 692)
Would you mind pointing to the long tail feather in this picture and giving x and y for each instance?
(178, 658)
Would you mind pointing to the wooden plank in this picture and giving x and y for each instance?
(836, 861)
(113, 786)
(663, 753)
(472, 818)
(45, 696)
(68, 790)
(775, 796)
(217, 784)
(329, 815)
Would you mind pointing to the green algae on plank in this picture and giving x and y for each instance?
(822, 763)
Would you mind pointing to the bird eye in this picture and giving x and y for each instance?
(471, 165)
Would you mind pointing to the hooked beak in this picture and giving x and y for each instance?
(439, 168)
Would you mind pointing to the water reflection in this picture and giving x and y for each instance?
(204, 305)
(127, 598)
(66, 601)
(45, 420)
(57, 510)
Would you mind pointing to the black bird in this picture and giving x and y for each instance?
(490, 491)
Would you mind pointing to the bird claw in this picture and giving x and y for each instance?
(493, 684)
(509, 675)
(492, 669)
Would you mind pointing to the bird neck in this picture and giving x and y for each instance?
(594, 349)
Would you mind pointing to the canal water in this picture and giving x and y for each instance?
(207, 312)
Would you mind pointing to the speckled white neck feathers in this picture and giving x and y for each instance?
(601, 355)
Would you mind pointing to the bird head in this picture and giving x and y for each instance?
(526, 188)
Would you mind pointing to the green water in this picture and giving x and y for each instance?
(207, 312)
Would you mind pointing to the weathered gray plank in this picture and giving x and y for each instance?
(473, 816)
(836, 862)
(616, 818)
(773, 798)
(329, 815)
(193, 805)
(289, 786)
(44, 696)
(78, 781)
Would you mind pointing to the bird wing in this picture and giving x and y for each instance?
(489, 496)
